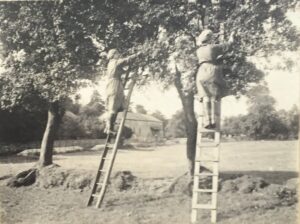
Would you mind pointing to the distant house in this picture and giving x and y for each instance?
(146, 128)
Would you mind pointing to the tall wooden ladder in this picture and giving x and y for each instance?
(107, 158)
(206, 166)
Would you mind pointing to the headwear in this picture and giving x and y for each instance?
(205, 35)
(112, 53)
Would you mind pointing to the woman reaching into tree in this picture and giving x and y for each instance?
(210, 83)
(115, 99)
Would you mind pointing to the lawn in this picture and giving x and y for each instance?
(155, 168)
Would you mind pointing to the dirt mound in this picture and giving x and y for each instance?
(123, 180)
(243, 184)
(54, 176)
(293, 183)
(184, 184)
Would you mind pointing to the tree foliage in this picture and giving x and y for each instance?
(140, 109)
(260, 26)
(176, 126)
(262, 120)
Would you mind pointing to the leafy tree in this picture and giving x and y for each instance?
(290, 119)
(262, 120)
(94, 108)
(72, 105)
(140, 109)
(293, 115)
(261, 28)
(54, 50)
(21, 126)
(49, 52)
(176, 127)
(71, 127)
(233, 125)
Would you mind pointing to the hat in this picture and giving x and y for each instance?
(205, 35)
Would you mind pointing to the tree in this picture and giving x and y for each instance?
(56, 53)
(49, 52)
(233, 125)
(21, 126)
(94, 108)
(176, 127)
(293, 115)
(262, 120)
(172, 60)
(140, 109)
(290, 119)
(70, 127)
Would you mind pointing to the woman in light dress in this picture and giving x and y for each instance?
(115, 99)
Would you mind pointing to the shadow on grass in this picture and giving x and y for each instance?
(18, 159)
(274, 177)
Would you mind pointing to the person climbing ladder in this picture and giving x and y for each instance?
(210, 83)
(115, 99)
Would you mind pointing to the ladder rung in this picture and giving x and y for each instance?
(109, 146)
(100, 184)
(206, 160)
(102, 171)
(203, 130)
(96, 195)
(205, 174)
(205, 191)
(209, 145)
(204, 206)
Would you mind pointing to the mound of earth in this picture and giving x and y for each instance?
(243, 184)
(252, 193)
(184, 184)
(123, 180)
(55, 176)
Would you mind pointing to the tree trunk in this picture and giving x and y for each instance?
(187, 100)
(49, 135)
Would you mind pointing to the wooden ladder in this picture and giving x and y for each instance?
(108, 157)
(207, 154)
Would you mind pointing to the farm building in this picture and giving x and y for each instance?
(146, 128)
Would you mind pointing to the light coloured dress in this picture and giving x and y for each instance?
(115, 99)
(209, 79)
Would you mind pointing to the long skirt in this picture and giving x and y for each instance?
(210, 81)
(115, 99)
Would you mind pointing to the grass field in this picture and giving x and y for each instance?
(275, 161)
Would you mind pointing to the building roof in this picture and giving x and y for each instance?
(139, 117)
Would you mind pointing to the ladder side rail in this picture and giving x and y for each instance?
(115, 148)
(196, 179)
(98, 174)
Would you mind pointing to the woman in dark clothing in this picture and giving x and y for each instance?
(211, 85)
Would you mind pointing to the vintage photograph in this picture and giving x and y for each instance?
(149, 111)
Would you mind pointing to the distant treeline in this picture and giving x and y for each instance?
(23, 125)
(263, 124)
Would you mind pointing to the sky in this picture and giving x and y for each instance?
(283, 86)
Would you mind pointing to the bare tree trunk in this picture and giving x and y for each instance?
(187, 100)
(49, 135)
